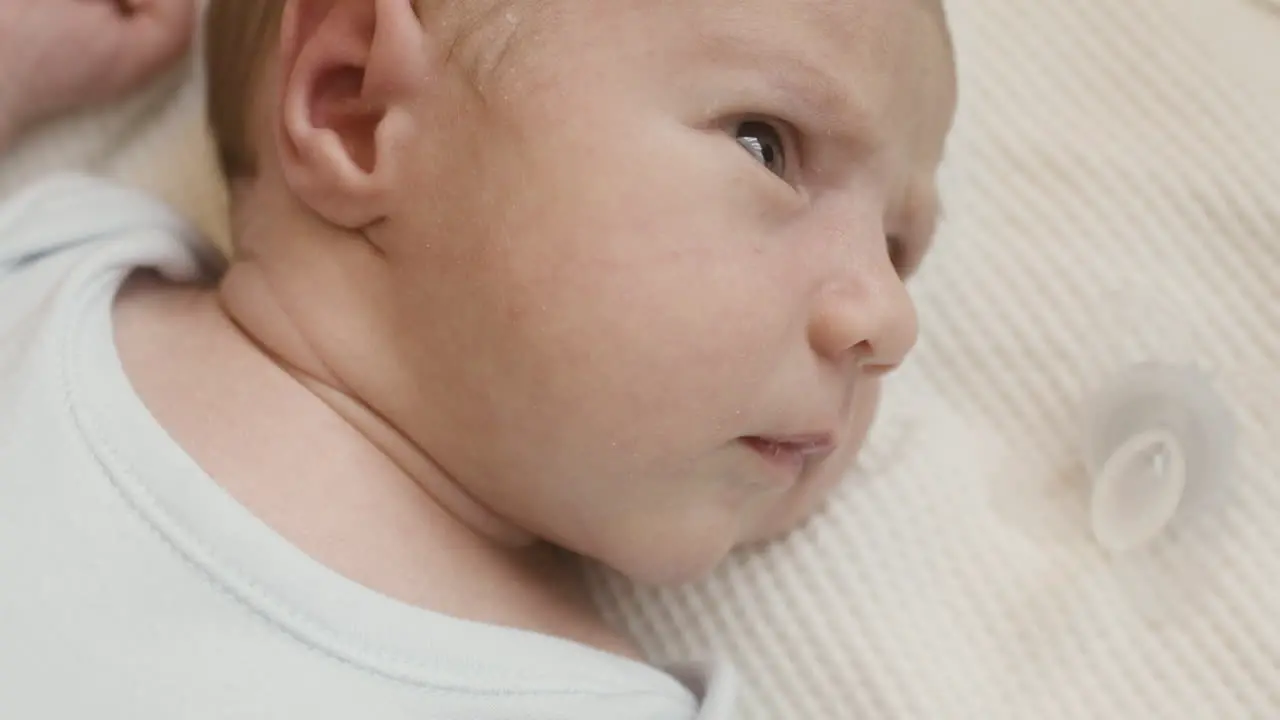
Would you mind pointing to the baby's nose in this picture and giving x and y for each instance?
(866, 313)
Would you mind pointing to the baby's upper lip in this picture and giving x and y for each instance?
(814, 443)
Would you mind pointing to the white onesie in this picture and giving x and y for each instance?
(132, 586)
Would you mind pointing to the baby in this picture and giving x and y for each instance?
(514, 283)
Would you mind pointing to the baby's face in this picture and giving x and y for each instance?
(648, 269)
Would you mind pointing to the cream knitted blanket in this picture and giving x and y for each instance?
(1114, 195)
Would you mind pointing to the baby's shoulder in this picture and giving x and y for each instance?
(69, 220)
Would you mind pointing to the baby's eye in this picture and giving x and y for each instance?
(765, 144)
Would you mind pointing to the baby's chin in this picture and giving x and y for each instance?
(672, 551)
(681, 551)
(794, 512)
(674, 556)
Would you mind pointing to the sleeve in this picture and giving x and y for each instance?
(67, 211)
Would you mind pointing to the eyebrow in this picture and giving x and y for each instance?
(814, 90)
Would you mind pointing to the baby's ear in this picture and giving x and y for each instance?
(350, 70)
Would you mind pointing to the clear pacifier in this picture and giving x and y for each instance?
(1159, 439)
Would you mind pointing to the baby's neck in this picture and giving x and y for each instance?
(287, 295)
(246, 300)
(296, 452)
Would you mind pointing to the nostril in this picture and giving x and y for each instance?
(863, 352)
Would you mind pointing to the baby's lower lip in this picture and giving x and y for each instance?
(788, 457)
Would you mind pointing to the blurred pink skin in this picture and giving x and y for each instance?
(118, 46)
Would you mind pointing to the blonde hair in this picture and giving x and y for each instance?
(240, 36)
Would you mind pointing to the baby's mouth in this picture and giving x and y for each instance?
(791, 453)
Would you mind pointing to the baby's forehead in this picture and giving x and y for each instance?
(880, 69)
(848, 38)
(827, 22)
(856, 58)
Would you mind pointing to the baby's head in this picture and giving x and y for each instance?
(623, 275)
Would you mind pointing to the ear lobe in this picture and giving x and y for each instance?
(350, 70)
